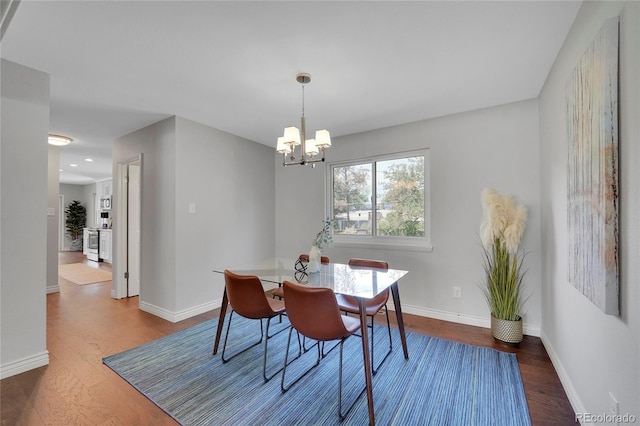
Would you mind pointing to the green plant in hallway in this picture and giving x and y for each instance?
(76, 218)
(501, 231)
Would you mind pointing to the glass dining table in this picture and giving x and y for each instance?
(361, 282)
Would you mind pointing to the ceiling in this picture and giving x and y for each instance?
(117, 66)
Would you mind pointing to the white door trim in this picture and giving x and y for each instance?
(120, 225)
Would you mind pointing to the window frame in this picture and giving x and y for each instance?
(419, 244)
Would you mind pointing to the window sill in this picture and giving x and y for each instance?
(427, 248)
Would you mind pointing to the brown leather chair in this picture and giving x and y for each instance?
(278, 292)
(349, 304)
(313, 312)
(247, 298)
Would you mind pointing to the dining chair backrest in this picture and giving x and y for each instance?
(313, 311)
(246, 295)
(305, 257)
(381, 298)
(368, 263)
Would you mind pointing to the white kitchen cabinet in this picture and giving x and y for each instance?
(104, 189)
(105, 245)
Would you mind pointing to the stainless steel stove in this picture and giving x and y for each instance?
(93, 244)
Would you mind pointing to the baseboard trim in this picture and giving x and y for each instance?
(180, 315)
(409, 309)
(570, 390)
(53, 289)
(24, 364)
(455, 317)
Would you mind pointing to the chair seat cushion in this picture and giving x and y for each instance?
(350, 303)
(276, 305)
(352, 324)
(278, 292)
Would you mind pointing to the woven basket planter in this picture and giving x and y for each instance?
(507, 331)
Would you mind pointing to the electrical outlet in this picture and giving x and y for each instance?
(192, 207)
(457, 292)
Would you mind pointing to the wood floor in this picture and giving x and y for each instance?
(84, 324)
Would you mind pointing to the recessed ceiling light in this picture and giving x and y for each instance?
(59, 140)
(73, 165)
(61, 170)
(88, 159)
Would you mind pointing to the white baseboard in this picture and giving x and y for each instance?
(409, 309)
(570, 390)
(180, 315)
(53, 289)
(25, 364)
(459, 318)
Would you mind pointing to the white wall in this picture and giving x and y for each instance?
(229, 180)
(494, 147)
(158, 228)
(23, 220)
(53, 221)
(594, 353)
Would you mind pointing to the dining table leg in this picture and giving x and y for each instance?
(367, 359)
(396, 304)
(223, 313)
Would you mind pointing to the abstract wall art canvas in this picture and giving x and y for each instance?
(592, 176)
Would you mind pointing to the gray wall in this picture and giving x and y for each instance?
(23, 220)
(53, 222)
(158, 227)
(230, 180)
(494, 147)
(594, 353)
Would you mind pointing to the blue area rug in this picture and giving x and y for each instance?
(442, 383)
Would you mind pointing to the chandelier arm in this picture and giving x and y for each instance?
(303, 161)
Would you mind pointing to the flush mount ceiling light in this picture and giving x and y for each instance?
(59, 140)
(293, 136)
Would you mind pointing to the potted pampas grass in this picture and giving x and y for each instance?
(503, 224)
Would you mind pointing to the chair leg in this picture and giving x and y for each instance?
(284, 388)
(325, 353)
(266, 346)
(224, 347)
(340, 413)
(374, 368)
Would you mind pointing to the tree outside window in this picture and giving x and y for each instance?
(391, 205)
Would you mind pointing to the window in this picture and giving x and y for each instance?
(381, 200)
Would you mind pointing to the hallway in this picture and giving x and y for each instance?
(84, 324)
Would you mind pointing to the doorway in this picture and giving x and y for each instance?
(127, 276)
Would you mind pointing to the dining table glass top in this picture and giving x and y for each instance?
(356, 281)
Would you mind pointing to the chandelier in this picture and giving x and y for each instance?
(309, 148)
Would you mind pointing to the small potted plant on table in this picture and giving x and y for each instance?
(323, 238)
